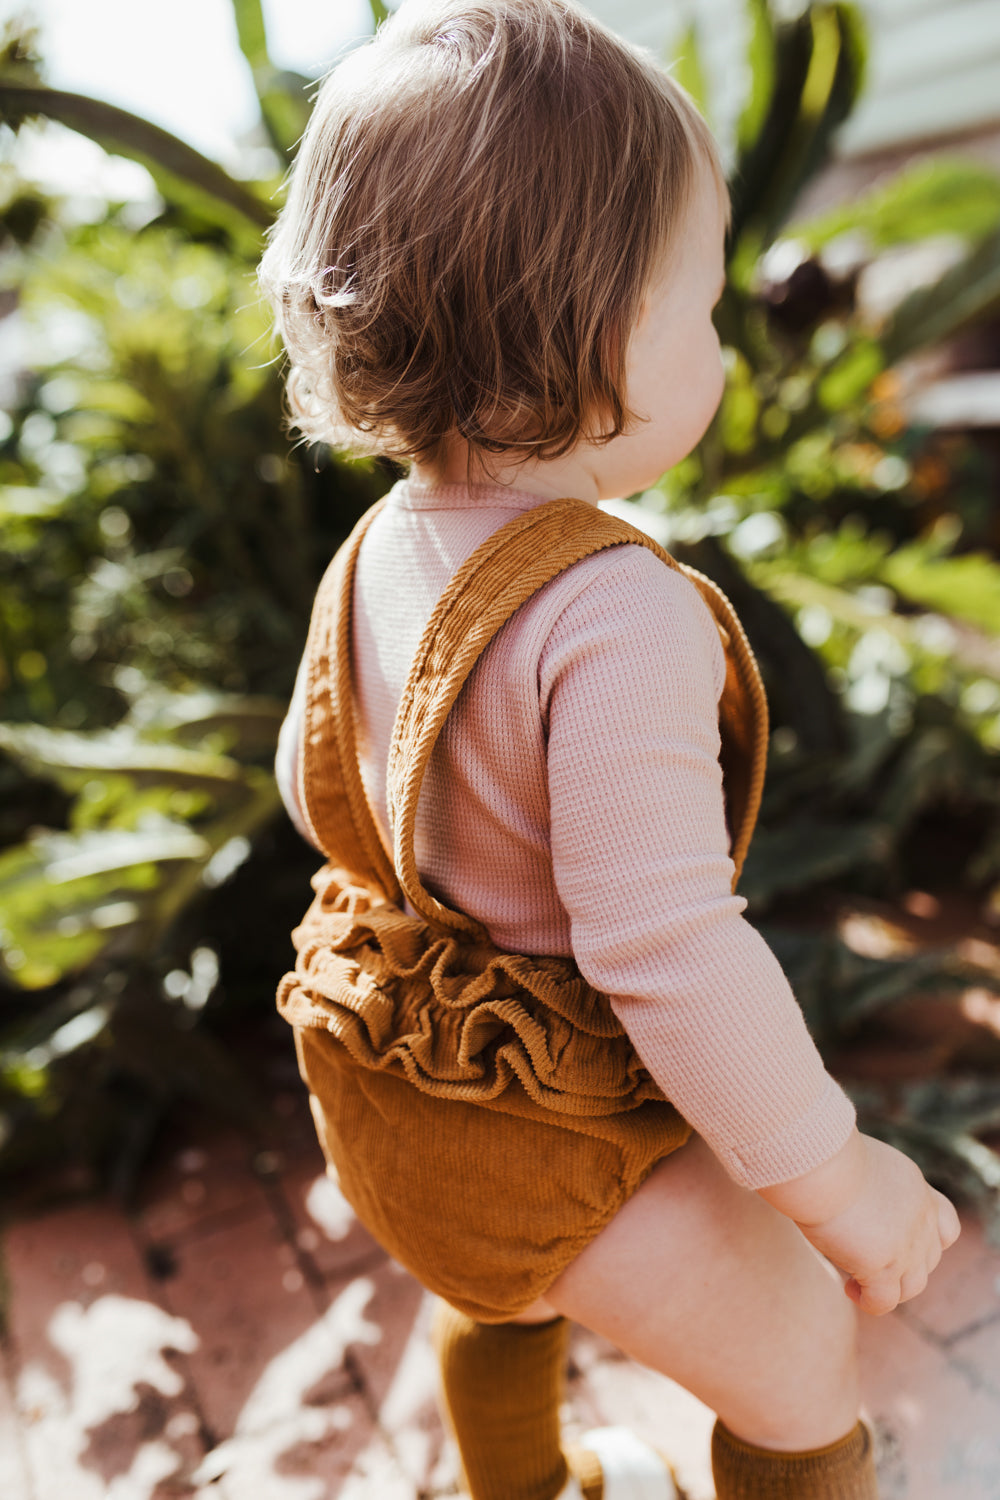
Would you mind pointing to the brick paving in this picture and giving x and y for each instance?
(239, 1336)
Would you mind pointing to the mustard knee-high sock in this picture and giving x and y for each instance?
(844, 1470)
(501, 1386)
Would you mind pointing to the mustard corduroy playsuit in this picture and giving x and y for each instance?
(485, 1112)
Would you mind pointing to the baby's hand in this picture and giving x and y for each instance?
(890, 1238)
(870, 1211)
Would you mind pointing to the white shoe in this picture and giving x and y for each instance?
(571, 1490)
(631, 1469)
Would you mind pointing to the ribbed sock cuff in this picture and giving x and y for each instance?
(502, 1385)
(844, 1470)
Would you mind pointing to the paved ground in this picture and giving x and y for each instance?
(241, 1337)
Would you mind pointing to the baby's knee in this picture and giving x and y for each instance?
(838, 1356)
(837, 1313)
(822, 1386)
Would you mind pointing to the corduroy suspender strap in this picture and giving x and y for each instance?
(331, 791)
(504, 572)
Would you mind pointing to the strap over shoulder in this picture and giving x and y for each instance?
(491, 585)
(500, 576)
(331, 790)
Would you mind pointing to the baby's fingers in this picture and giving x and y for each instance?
(878, 1296)
(914, 1282)
(949, 1226)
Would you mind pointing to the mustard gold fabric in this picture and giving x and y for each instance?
(485, 1112)
(844, 1470)
(500, 1392)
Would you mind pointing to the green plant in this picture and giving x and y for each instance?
(161, 548)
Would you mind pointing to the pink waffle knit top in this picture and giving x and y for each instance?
(574, 806)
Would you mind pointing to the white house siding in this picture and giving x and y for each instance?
(934, 65)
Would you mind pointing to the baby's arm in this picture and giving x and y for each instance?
(630, 679)
(869, 1210)
(286, 757)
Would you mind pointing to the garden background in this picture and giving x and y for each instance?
(161, 538)
(187, 1305)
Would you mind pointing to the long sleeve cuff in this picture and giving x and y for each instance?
(812, 1140)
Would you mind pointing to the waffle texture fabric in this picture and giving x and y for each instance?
(573, 805)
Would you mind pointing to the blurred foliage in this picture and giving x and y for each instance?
(162, 545)
(161, 548)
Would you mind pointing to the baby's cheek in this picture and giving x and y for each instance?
(720, 376)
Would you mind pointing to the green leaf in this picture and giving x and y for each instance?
(803, 853)
(967, 291)
(956, 1103)
(62, 1040)
(740, 408)
(869, 986)
(19, 500)
(937, 766)
(800, 581)
(831, 90)
(19, 54)
(380, 11)
(819, 63)
(282, 94)
(251, 32)
(183, 176)
(66, 897)
(761, 64)
(213, 721)
(53, 752)
(839, 989)
(947, 195)
(966, 587)
(848, 380)
(684, 61)
(759, 162)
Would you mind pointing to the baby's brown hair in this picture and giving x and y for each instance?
(479, 201)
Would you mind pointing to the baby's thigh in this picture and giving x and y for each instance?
(702, 1280)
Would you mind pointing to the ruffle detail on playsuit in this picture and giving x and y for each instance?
(457, 1018)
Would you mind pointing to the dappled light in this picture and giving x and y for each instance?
(105, 1413)
(146, 1370)
(329, 1208)
(111, 1393)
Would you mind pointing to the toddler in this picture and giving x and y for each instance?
(497, 265)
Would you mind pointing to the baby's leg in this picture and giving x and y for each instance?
(702, 1280)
